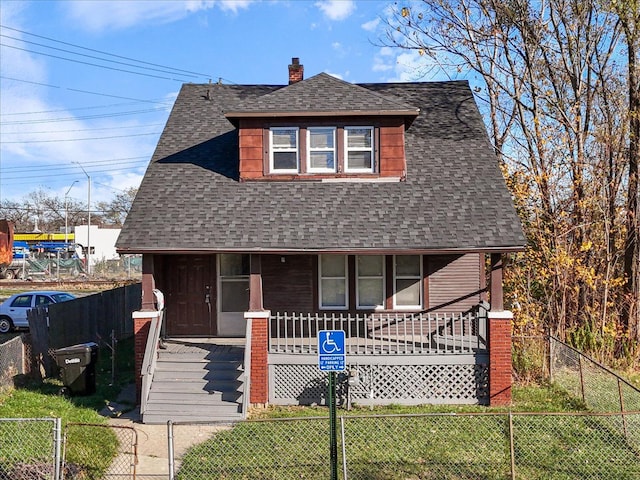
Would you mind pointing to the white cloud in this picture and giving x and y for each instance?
(336, 45)
(371, 26)
(379, 64)
(402, 65)
(409, 67)
(336, 75)
(336, 9)
(99, 15)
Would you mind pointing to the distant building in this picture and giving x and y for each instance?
(103, 242)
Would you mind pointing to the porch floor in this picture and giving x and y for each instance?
(215, 345)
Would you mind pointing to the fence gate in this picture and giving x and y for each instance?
(29, 448)
(117, 444)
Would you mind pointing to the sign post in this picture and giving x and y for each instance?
(332, 359)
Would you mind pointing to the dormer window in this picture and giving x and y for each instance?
(284, 156)
(321, 149)
(359, 149)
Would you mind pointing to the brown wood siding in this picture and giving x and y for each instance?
(254, 139)
(454, 282)
(392, 154)
(288, 286)
(251, 150)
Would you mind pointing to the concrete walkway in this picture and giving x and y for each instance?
(152, 440)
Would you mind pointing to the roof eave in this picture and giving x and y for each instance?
(302, 251)
(333, 113)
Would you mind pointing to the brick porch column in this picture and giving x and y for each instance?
(141, 326)
(499, 357)
(259, 375)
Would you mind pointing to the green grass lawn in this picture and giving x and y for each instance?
(427, 442)
(91, 449)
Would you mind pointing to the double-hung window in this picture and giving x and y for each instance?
(370, 277)
(407, 281)
(333, 281)
(359, 149)
(284, 155)
(321, 149)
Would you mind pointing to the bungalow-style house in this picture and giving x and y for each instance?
(271, 212)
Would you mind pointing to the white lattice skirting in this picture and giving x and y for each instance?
(382, 383)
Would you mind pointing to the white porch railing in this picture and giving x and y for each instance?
(150, 359)
(246, 376)
(384, 333)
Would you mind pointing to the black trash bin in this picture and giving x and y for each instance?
(78, 367)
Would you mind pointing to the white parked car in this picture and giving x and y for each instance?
(13, 311)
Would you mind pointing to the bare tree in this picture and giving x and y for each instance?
(115, 212)
(548, 80)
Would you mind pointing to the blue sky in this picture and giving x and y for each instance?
(67, 105)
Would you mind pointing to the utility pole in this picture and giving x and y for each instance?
(88, 218)
(66, 213)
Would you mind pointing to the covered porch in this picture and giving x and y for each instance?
(435, 355)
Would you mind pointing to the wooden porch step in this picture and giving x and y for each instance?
(189, 375)
(197, 381)
(208, 398)
(168, 366)
(161, 418)
(195, 409)
(191, 386)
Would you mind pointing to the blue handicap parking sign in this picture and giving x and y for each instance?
(331, 350)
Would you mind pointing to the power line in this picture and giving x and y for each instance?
(92, 64)
(91, 56)
(81, 139)
(62, 166)
(27, 180)
(86, 117)
(106, 53)
(126, 127)
(57, 110)
(82, 91)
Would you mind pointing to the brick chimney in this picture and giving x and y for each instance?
(296, 71)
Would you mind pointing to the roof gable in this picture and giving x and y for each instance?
(322, 95)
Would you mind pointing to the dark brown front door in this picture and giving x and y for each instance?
(190, 291)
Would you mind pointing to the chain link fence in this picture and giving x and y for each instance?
(460, 446)
(431, 446)
(30, 448)
(117, 446)
(603, 443)
(599, 388)
(13, 361)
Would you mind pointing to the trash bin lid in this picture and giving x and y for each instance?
(79, 348)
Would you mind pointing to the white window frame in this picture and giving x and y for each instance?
(407, 277)
(381, 277)
(333, 149)
(272, 150)
(346, 285)
(348, 149)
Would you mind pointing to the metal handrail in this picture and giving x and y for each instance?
(150, 359)
(247, 370)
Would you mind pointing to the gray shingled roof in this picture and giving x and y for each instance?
(322, 93)
(454, 196)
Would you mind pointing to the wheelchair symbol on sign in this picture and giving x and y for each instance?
(329, 345)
